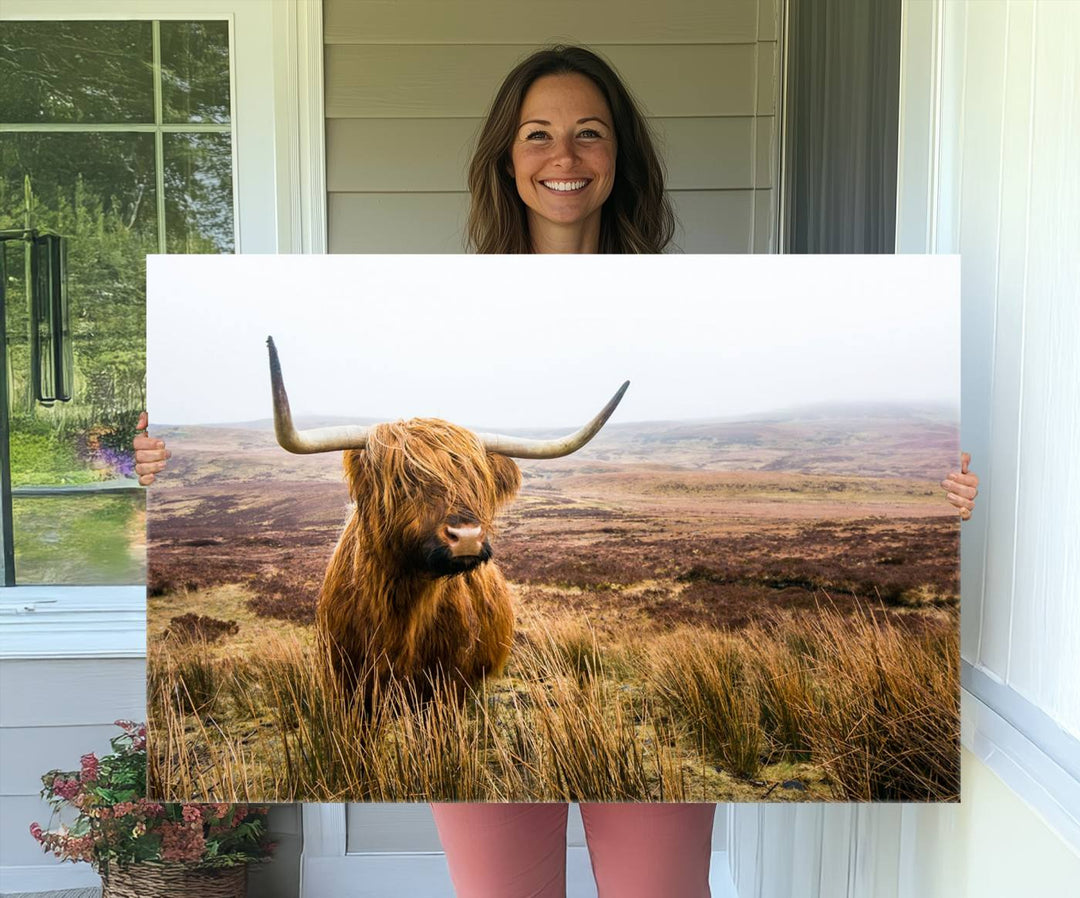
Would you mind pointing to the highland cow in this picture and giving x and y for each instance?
(411, 592)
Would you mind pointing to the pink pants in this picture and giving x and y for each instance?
(519, 850)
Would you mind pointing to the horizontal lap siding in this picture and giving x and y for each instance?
(28, 752)
(709, 221)
(530, 23)
(408, 83)
(397, 222)
(72, 692)
(53, 712)
(17, 846)
(460, 81)
(379, 155)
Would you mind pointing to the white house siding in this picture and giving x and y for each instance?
(990, 135)
(53, 711)
(408, 82)
(1015, 217)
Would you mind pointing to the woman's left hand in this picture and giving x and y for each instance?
(962, 487)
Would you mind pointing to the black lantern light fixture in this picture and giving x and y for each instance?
(51, 368)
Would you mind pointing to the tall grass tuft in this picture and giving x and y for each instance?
(886, 723)
(785, 689)
(708, 679)
(572, 644)
(588, 740)
(191, 676)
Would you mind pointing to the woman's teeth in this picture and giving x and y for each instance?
(564, 186)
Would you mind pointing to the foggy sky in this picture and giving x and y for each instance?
(538, 341)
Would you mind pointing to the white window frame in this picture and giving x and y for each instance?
(277, 107)
(279, 195)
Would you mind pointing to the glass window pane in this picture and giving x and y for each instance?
(195, 71)
(76, 72)
(98, 190)
(81, 539)
(198, 193)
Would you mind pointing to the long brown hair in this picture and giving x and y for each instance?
(637, 216)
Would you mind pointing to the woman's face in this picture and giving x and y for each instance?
(563, 154)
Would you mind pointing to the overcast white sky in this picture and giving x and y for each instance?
(520, 341)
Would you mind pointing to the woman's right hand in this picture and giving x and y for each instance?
(150, 454)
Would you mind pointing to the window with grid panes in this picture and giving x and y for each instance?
(117, 135)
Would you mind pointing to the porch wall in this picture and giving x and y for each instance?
(408, 83)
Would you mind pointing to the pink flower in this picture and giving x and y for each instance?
(191, 813)
(36, 831)
(123, 808)
(89, 768)
(150, 808)
(66, 789)
(79, 848)
(181, 842)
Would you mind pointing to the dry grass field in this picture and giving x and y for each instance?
(727, 612)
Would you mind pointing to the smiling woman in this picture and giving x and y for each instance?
(565, 164)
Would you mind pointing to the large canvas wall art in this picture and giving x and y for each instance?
(461, 562)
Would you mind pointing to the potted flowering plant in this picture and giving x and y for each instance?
(141, 847)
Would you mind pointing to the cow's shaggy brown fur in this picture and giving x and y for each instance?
(383, 613)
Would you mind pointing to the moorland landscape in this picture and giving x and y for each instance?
(763, 608)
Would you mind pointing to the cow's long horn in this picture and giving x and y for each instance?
(517, 447)
(305, 442)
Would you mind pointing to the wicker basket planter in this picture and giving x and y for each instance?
(150, 880)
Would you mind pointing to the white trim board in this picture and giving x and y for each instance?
(1057, 744)
(1046, 786)
(39, 622)
(301, 126)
